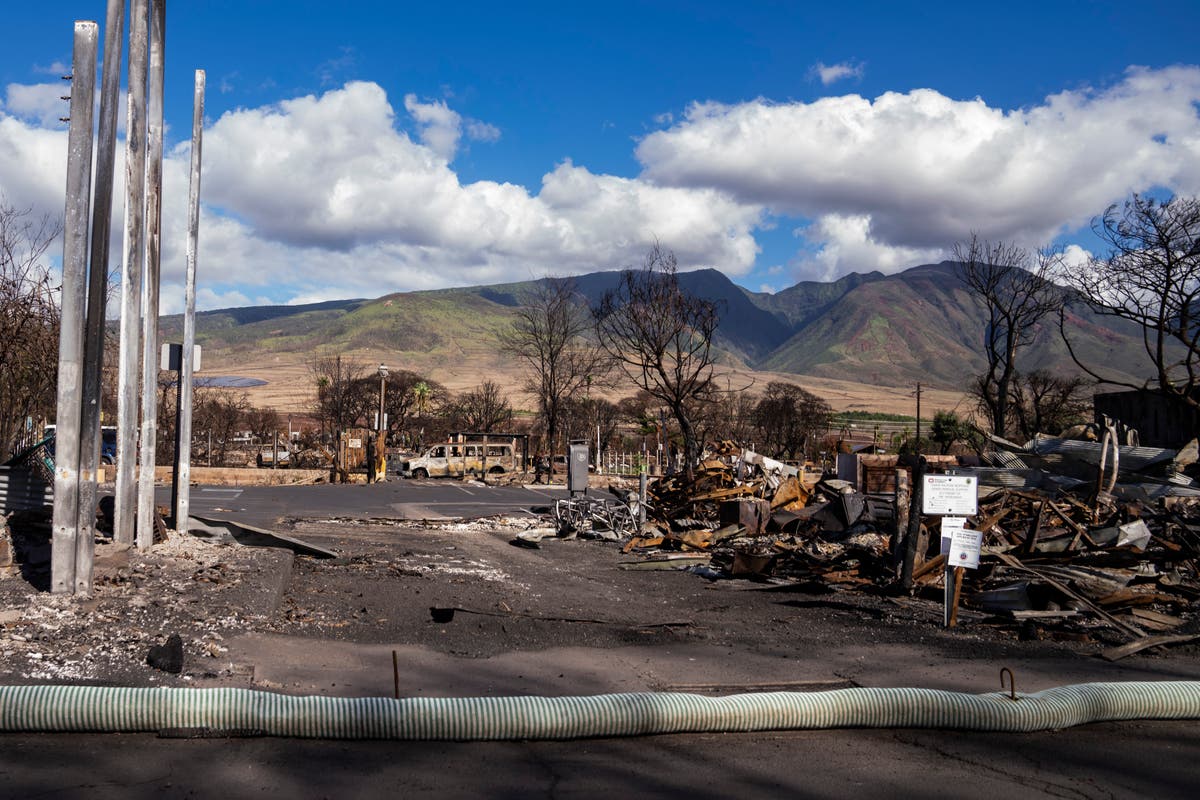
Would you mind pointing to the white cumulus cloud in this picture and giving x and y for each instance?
(832, 73)
(327, 196)
(914, 172)
(439, 126)
(324, 197)
(41, 103)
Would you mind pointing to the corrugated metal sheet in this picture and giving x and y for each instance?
(22, 490)
(1008, 478)
(1008, 460)
(1132, 458)
(1018, 478)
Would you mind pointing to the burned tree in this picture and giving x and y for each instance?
(1150, 277)
(263, 424)
(342, 396)
(589, 418)
(549, 337)
(482, 409)
(28, 322)
(1015, 288)
(662, 336)
(221, 413)
(790, 419)
(1046, 402)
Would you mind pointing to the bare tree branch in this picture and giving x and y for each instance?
(28, 322)
(549, 337)
(1017, 293)
(662, 337)
(1150, 277)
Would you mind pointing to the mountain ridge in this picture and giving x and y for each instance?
(919, 325)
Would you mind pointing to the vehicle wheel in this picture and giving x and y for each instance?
(420, 474)
(497, 470)
(107, 460)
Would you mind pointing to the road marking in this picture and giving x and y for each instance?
(229, 492)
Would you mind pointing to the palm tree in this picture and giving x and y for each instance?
(421, 393)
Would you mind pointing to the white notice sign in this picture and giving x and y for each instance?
(950, 526)
(354, 444)
(964, 549)
(950, 494)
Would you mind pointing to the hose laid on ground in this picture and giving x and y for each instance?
(250, 712)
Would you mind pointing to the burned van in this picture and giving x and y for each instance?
(461, 458)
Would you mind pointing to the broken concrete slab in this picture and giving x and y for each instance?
(251, 536)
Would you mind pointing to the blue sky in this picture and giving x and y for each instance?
(357, 149)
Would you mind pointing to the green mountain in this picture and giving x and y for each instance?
(923, 324)
(891, 330)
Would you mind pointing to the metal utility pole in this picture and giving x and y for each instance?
(150, 282)
(70, 341)
(381, 436)
(93, 340)
(181, 498)
(131, 275)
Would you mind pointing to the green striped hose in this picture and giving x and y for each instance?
(109, 709)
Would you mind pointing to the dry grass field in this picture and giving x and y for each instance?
(289, 381)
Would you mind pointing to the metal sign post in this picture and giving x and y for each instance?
(953, 498)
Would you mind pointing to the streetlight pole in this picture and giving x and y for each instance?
(380, 456)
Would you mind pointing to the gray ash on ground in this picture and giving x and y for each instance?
(201, 591)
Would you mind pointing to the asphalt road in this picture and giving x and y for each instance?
(1101, 761)
(263, 506)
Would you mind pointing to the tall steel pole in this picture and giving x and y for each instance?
(93, 341)
(131, 276)
(183, 420)
(381, 436)
(151, 280)
(70, 340)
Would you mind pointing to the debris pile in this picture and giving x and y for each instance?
(1078, 544)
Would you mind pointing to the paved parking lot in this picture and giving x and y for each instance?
(262, 506)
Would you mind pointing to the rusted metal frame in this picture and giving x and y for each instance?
(74, 281)
(131, 275)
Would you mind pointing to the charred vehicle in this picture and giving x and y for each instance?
(461, 458)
